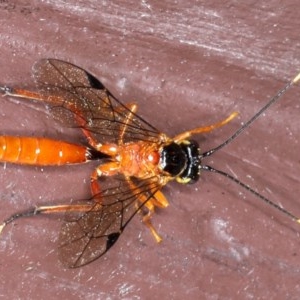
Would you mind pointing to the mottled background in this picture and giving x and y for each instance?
(186, 64)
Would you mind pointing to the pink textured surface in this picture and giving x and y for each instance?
(185, 64)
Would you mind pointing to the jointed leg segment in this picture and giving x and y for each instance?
(158, 200)
(205, 129)
(47, 210)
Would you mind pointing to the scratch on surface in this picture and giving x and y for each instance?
(169, 28)
(125, 289)
(236, 250)
(231, 171)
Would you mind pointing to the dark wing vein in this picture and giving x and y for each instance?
(75, 94)
(85, 236)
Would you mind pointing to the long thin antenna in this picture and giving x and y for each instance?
(248, 188)
(259, 113)
(236, 134)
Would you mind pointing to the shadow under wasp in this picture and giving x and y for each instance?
(135, 159)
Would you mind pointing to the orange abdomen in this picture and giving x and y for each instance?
(40, 151)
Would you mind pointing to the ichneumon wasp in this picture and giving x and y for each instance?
(135, 159)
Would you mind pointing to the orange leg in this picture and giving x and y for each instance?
(48, 210)
(132, 109)
(158, 200)
(108, 169)
(147, 221)
(185, 135)
(19, 93)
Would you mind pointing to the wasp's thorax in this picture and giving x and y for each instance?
(181, 161)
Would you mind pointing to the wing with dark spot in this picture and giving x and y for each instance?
(87, 235)
(73, 94)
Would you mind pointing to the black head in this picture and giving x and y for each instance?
(192, 171)
(181, 161)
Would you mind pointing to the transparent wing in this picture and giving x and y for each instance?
(76, 97)
(87, 235)
(74, 94)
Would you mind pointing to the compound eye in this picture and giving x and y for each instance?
(173, 160)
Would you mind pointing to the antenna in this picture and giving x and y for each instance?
(235, 135)
(258, 114)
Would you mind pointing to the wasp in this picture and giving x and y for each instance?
(135, 159)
